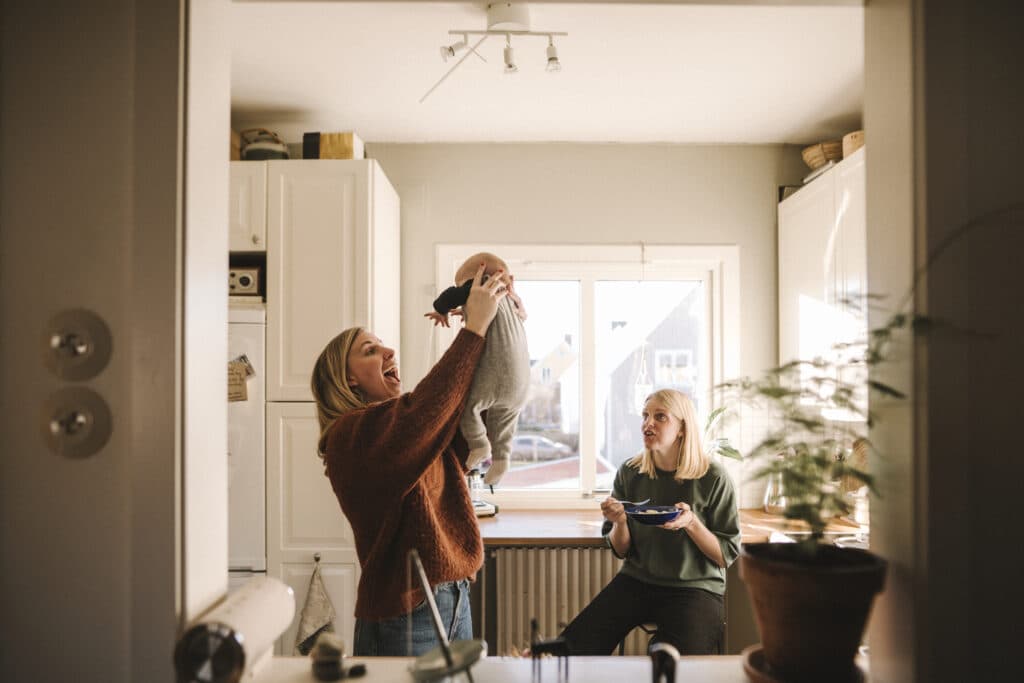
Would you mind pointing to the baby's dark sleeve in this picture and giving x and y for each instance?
(453, 297)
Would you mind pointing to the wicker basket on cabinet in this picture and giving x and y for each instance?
(817, 155)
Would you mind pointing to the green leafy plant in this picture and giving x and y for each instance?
(718, 445)
(817, 409)
(808, 449)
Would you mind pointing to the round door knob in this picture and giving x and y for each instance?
(76, 345)
(75, 422)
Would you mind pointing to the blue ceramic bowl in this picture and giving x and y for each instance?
(653, 514)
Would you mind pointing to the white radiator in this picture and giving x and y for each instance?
(551, 585)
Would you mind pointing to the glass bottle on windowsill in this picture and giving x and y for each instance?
(774, 495)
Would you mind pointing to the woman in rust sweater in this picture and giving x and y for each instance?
(396, 463)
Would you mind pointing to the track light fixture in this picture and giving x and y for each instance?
(503, 19)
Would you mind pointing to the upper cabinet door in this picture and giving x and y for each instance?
(316, 268)
(851, 219)
(823, 274)
(384, 257)
(807, 279)
(247, 212)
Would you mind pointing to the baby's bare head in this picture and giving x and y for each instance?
(492, 264)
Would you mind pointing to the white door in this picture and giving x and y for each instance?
(303, 515)
(247, 206)
(246, 453)
(316, 265)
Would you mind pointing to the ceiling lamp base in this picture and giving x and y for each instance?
(508, 16)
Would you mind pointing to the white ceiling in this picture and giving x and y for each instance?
(631, 73)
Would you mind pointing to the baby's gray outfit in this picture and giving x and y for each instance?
(500, 387)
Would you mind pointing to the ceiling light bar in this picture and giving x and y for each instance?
(503, 19)
(548, 34)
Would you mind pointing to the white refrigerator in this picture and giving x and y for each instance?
(247, 538)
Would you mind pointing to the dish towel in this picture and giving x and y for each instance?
(317, 614)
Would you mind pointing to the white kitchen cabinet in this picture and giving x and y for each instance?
(332, 263)
(304, 518)
(823, 264)
(247, 206)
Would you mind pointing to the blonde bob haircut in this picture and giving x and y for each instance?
(329, 383)
(691, 462)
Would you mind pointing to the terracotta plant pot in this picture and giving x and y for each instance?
(811, 610)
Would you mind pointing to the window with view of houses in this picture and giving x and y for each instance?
(605, 329)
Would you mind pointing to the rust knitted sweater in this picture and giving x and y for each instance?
(398, 470)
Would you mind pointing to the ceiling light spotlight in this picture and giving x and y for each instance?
(553, 63)
(450, 50)
(510, 57)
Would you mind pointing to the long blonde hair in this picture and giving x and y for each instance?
(691, 462)
(329, 383)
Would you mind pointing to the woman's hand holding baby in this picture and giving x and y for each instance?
(482, 304)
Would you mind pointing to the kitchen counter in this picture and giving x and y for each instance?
(726, 669)
(583, 527)
(522, 529)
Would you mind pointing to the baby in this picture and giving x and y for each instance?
(502, 378)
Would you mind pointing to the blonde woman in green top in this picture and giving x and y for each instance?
(673, 575)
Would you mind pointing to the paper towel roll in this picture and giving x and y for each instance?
(226, 641)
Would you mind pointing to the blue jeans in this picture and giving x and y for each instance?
(390, 637)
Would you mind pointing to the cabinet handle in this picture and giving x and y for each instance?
(255, 239)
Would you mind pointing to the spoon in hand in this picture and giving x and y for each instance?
(631, 503)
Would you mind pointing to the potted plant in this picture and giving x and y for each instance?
(811, 600)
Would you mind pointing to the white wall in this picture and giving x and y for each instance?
(205, 329)
(591, 193)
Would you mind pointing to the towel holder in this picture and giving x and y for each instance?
(316, 557)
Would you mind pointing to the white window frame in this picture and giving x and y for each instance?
(718, 265)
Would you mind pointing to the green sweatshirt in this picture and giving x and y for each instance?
(670, 558)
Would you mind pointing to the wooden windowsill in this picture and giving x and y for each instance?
(583, 528)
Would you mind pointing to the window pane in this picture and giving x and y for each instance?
(545, 450)
(650, 335)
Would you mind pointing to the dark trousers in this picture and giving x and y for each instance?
(691, 619)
